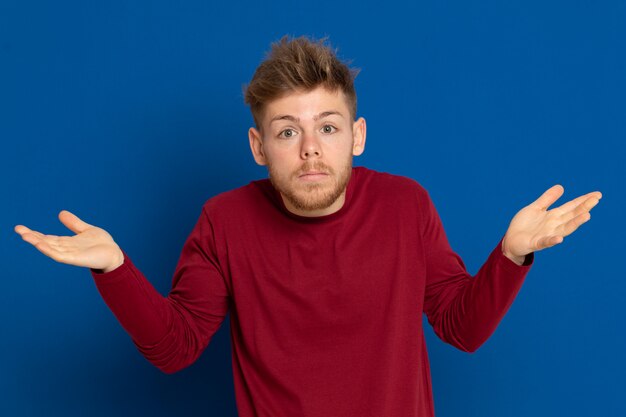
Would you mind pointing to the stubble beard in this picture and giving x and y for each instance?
(315, 196)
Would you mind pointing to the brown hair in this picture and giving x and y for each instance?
(299, 64)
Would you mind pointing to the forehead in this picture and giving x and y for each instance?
(305, 105)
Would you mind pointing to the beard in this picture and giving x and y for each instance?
(314, 196)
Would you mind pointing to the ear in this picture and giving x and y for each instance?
(256, 146)
(359, 131)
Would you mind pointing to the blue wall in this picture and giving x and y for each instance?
(130, 114)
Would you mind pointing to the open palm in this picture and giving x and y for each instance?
(91, 247)
(535, 227)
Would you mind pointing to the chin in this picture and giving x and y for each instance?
(319, 198)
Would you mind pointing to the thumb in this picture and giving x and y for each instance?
(72, 222)
(549, 197)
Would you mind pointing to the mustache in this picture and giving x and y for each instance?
(314, 166)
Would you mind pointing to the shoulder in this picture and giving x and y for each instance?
(232, 198)
(240, 203)
(237, 199)
(391, 186)
(394, 198)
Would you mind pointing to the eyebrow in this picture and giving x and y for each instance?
(297, 119)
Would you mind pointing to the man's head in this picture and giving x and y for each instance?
(298, 64)
(304, 106)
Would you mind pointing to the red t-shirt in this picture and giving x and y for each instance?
(326, 312)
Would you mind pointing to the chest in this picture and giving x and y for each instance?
(327, 283)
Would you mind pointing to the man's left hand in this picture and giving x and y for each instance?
(535, 227)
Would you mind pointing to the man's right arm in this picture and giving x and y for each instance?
(171, 332)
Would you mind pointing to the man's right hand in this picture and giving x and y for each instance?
(91, 247)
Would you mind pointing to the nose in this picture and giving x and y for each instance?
(310, 147)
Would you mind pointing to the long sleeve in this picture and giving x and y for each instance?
(171, 332)
(464, 310)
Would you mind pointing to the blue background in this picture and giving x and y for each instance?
(130, 114)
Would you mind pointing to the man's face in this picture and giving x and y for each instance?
(307, 140)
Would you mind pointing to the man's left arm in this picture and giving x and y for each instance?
(464, 311)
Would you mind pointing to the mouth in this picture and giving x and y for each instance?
(313, 176)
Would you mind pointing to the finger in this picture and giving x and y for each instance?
(27, 234)
(45, 248)
(21, 229)
(582, 208)
(53, 253)
(72, 222)
(577, 201)
(549, 197)
(570, 227)
(38, 234)
(35, 237)
(549, 241)
(31, 238)
(55, 247)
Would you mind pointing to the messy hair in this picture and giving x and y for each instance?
(299, 64)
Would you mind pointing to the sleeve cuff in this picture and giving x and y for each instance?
(114, 275)
(528, 261)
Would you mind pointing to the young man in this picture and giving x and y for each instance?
(326, 269)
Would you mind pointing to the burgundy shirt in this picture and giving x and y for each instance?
(326, 312)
